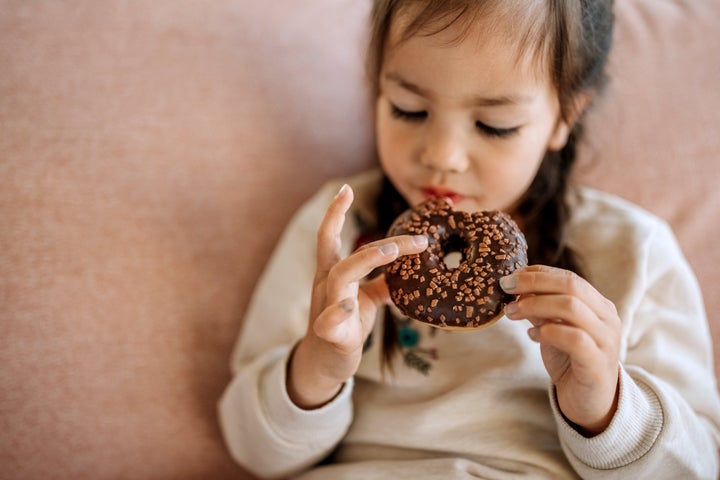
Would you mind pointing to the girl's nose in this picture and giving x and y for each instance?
(444, 152)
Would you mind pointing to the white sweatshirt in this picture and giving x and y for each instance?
(479, 403)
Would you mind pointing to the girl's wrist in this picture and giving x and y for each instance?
(306, 387)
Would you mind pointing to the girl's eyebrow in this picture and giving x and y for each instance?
(396, 78)
(501, 100)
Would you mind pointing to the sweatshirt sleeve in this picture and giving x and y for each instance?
(666, 424)
(263, 430)
(266, 432)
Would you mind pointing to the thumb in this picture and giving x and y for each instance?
(377, 290)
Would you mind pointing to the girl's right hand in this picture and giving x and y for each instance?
(343, 310)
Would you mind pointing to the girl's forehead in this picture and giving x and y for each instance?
(522, 22)
(518, 26)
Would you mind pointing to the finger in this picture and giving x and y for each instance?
(377, 290)
(541, 279)
(560, 308)
(334, 323)
(362, 262)
(407, 244)
(575, 342)
(343, 278)
(328, 235)
(373, 295)
(536, 321)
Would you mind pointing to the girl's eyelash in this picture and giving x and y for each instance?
(496, 132)
(408, 115)
(420, 115)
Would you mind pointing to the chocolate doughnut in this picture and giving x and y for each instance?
(468, 296)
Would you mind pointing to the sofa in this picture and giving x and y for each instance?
(150, 154)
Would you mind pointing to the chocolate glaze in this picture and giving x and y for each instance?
(424, 288)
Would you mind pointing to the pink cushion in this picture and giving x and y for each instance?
(654, 138)
(149, 157)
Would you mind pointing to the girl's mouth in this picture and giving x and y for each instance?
(439, 192)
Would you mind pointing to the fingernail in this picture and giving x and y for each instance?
(511, 308)
(420, 241)
(342, 190)
(389, 249)
(348, 304)
(508, 283)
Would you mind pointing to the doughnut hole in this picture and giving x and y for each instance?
(454, 249)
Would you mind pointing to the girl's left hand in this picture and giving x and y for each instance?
(579, 335)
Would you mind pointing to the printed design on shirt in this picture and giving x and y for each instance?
(414, 356)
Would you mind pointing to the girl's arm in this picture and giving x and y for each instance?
(668, 417)
(665, 418)
(289, 402)
(343, 308)
(263, 430)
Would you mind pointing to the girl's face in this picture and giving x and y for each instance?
(464, 117)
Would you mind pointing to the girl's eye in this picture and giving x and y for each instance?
(410, 116)
(496, 132)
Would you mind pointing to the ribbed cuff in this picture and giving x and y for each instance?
(632, 432)
(320, 427)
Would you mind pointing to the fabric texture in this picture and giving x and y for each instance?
(482, 400)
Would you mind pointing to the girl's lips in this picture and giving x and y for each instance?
(435, 192)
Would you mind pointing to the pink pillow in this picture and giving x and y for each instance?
(654, 137)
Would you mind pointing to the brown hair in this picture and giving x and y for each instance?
(571, 40)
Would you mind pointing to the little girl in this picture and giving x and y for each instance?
(602, 367)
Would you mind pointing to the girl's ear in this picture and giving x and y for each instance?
(559, 137)
(562, 130)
